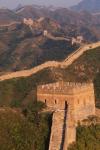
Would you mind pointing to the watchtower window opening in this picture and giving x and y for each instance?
(45, 101)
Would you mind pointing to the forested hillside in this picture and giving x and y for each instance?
(88, 137)
(26, 130)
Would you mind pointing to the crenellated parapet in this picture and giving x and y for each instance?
(64, 87)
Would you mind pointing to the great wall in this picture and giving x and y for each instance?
(10, 24)
(50, 36)
(68, 61)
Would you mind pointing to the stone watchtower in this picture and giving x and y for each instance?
(71, 102)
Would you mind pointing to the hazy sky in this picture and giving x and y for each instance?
(13, 3)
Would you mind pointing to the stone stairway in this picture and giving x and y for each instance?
(63, 131)
(70, 132)
(57, 130)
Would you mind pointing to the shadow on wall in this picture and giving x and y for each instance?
(64, 126)
(49, 133)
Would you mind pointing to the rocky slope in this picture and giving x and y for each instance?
(32, 11)
(23, 48)
(7, 16)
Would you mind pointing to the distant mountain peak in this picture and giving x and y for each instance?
(88, 5)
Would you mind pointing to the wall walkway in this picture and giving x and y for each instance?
(57, 131)
(63, 131)
(68, 61)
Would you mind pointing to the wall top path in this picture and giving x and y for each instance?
(68, 61)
